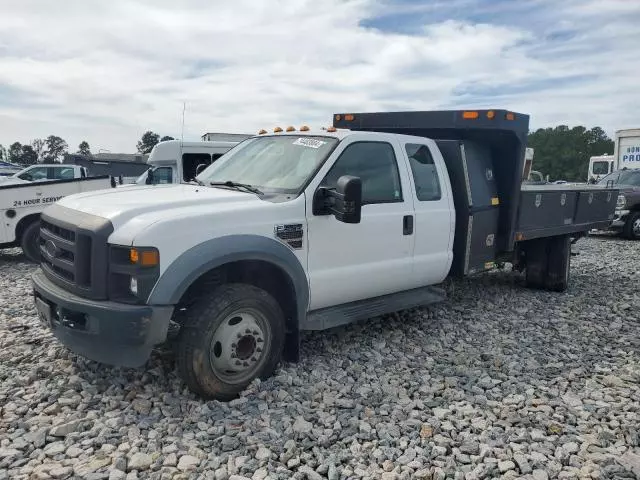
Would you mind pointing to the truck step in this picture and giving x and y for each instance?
(364, 309)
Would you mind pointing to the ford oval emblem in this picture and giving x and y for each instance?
(52, 249)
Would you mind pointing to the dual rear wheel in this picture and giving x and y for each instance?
(548, 264)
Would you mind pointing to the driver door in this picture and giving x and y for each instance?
(350, 262)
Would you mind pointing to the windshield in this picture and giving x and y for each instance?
(622, 177)
(600, 168)
(281, 164)
(160, 175)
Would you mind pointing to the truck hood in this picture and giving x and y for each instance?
(122, 204)
(628, 189)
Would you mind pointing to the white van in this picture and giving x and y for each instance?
(600, 166)
(174, 161)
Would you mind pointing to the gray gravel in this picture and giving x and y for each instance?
(500, 382)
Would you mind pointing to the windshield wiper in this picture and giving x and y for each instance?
(229, 183)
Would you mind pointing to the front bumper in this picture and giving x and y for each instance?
(107, 332)
(619, 219)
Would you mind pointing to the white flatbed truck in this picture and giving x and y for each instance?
(299, 230)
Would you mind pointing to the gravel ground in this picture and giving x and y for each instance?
(500, 382)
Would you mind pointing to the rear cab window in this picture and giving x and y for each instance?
(424, 171)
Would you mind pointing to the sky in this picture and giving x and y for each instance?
(107, 71)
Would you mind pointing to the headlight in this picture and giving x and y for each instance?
(622, 202)
(133, 272)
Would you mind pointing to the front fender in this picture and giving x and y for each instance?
(196, 261)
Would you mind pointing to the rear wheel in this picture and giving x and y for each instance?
(228, 338)
(536, 261)
(632, 226)
(559, 264)
(30, 241)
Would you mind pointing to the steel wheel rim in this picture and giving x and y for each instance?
(636, 227)
(239, 345)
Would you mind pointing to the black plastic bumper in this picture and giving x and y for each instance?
(107, 332)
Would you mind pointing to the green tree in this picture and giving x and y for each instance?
(166, 137)
(29, 155)
(56, 148)
(563, 153)
(147, 142)
(83, 148)
(38, 146)
(15, 152)
(4, 156)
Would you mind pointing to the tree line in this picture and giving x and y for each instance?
(53, 148)
(561, 152)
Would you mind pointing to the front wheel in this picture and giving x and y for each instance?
(632, 226)
(228, 338)
(30, 242)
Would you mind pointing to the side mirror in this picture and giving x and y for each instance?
(344, 202)
(149, 180)
(200, 168)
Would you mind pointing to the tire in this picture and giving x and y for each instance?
(559, 265)
(536, 266)
(218, 349)
(631, 228)
(30, 241)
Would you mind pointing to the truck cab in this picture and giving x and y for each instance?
(302, 230)
(600, 166)
(45, 172)
(174, 161)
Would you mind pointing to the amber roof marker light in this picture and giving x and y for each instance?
(277, 130)
(470, 115)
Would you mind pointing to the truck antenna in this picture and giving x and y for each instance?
(184, 107)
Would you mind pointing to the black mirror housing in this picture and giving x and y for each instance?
(344, 202)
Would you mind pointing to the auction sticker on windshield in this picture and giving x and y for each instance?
(309, 142)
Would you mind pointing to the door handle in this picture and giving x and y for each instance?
(407, 225)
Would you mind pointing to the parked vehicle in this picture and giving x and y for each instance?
(626, 150)
(43, 172)
(626, 218)
(303, 230)
(21, 205)
(7, 169)
(174, 161)
(626, 154)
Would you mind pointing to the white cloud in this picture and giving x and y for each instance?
(108, 71)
